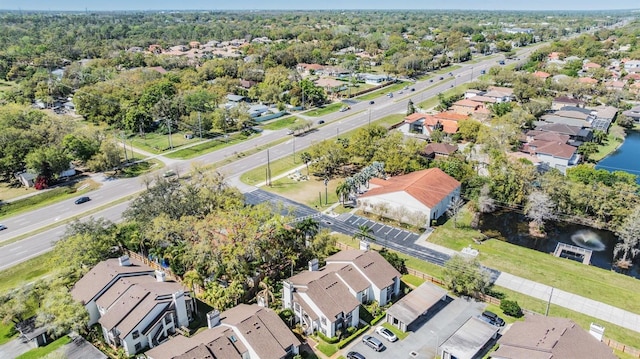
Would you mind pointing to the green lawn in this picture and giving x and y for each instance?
(326, 348)
(433, 101)
(43, 351)
(25, 272)
(208, 146)
(158, 143)
(610, 145)
(412, 280)
(400, 334)
(327, 109)
(280, 123)
(383, 91)
(7, 332)
(588, 281)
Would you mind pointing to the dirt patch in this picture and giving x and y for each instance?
(306, 192)
(9, 192)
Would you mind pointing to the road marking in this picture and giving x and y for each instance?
(397, 234)
(14, 249)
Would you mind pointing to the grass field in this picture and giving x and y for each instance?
(433, 102)
(325, 110)
(383, 91)
(44, 351)
(280, 123)
(157, 143)
(208, 146)
(607, 148)
(25, 272)
(8, 191)
(588, 281)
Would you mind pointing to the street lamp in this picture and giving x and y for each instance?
(437, 342)
(326, 191)
(294, 149)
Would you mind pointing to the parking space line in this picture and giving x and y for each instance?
(407, 236)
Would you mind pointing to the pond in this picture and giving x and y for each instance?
(513, 227)
(625, 158)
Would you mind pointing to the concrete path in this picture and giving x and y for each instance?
(571, 301)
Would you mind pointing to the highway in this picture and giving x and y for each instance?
(361, 114)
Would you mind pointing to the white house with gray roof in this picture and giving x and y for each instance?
(133, 304)
(328, 299)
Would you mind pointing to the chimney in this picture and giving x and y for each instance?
(181, 308)
(364, 246)
(213, 318)
(160, 275)
(287, 294)
(313, 265)
(124, 261)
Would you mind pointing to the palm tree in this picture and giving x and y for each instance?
(267, 291)
(364, 233)
(342, 191)
(308, 227)
(306, 158)
(190, 279)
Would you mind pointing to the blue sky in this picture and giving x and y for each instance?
(98, 5)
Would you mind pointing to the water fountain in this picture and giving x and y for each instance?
(588, 239)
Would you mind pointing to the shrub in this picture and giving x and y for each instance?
(331, 340)
(350, 338)
(511, 308)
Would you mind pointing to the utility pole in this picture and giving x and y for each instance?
(294, 149)
(546, 314)
(200, 124)
(369, 117)
(124, 146)
(169, 127)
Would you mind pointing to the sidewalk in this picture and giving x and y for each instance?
(571, 301)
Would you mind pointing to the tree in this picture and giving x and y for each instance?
(306, 158)
(511, 308)
(343, 189)
(61, 313)
(48, 162)
(469, 130)
(629, 237)
(587, 149)
(599, 136)
(395, 260)
(539, 208)
(364, 233)
(410, 108)
(455, 206)
(465, 276)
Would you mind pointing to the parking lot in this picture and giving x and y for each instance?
(435, 328)
(382, 231)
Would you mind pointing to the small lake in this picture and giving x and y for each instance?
(626, 157)
(513, 227)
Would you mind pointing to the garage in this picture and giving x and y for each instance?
(414, 305)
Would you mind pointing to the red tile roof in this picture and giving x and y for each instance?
(541, 74)
(414, 117)
(587, 80)
(450, 116)
(429, 186)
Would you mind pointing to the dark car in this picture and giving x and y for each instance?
(320, 122)
(82, 200)
(371, 102)
(482, 72)
(355, 355)
(492, 318)
(2, 227)
(412, 89)
(441, 78)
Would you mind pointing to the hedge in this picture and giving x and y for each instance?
(328, 340)
(350, 338)
(378, 318)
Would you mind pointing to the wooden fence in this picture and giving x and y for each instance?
(621, 347)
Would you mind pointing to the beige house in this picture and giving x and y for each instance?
(328, 299)
(242, 332)
(420, 196)
(133, 304)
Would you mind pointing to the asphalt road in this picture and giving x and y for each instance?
(361, 113)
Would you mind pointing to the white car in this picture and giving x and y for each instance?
(2, 227)
(386, 333)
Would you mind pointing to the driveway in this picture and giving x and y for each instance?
(432, 330)
(14, 348)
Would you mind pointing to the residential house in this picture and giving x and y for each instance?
(155, 49)
(309, 69)
(470, 341)
(602, 117)
(541, 75)
(562, 101)
(549, 337)
(373, 79)
(436, 150)
(500, 94)
(614, 85)
(242, 332)
(634, 113)
(424, 124)
(555, 56)
(569, 121)
(555, 154)
(588, 81)
(423, 195)
(590, 66)
(632, 66)
(470, 107)
(331, 85)
(133, 304)
(328, 299)
(577, 134)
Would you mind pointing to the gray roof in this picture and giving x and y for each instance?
(565, 121)
(414, 304)
(235, 98)
(472, 336)
(606, 112)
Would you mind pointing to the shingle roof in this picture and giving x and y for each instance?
(554, 149)
(559, 128)
(429, 186)
(417, 302)
(441, 148)
(104, 273)
(549, 337)
(566, 99)
(331, 296)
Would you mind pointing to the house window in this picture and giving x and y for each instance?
(296, 307)
(324, 321)
(135, 334)
(233, 339)
(138, 347)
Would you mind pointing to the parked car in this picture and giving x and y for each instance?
(2, 227)
(355, 355)
(289, 132)
(373, 343)
(492, 318)
(169, 173)
(389, 94)
(441, 78)
(82, 200)
(343, 109)
(386, 333)
(412, 89)
(371, 102)
(482, 72)
(320, 122)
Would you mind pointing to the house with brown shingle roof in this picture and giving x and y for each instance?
(549, 338)
(244, 331)
(555, 154)
(424, 194)
(562, 101)
(424, 124)
(435, 150)
(328, 299)
(133, 304)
